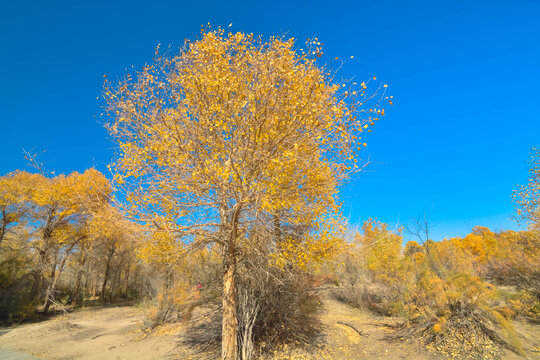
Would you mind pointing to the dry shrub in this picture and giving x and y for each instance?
(461, 317)
(288, 309)
(467, 334)
(528, 305)
(275, 307)
(372, 294)
(170, 300)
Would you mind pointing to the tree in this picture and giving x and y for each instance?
(381, 249)
(61, 208)
(109, 233)
(527, 197)
(15, 190)
(233, 133)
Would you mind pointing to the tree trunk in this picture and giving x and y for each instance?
(4, 226)
(48, 292)
(229, 342)
(93, 284)
(126, 282)
(116, 290)
(107, 271)
(229, 329)
(77, 298)
(54, 278)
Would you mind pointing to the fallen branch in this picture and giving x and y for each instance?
(361, 333)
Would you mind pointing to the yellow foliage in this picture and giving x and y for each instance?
(527, 197)
(437, 328)
(234, 130)
(381, 249)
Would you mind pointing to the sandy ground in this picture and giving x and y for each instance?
(115, 333)
(107, 333)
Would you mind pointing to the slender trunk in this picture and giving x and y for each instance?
(139, 289)
(250, 310)
(277, 230)
(43, 252)
(116, 287)
(126, 283)
(107, 271)
(38, 275)
(4, 226)
(93, 284)
(77, 298)
(54, 278)
(39, 284)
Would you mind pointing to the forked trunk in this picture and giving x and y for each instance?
(50, 289)
(55, 274)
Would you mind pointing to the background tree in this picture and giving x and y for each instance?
(15, 193)
(527, 197)
(61, 207)
(231, 133)
(381, 248)
(110, 234)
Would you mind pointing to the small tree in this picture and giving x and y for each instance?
(233, 133)
(15, 196)
(527, 197)
(61, 208)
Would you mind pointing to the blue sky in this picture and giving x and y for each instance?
(465, 76)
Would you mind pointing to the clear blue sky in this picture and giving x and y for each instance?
(465, 76)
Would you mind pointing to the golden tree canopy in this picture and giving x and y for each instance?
(527, 197)
(233, 122)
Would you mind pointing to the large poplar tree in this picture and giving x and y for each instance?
(231, 133)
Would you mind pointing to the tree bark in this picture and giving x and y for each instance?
(77, 297)
(116, 289)
(107, 271)
(48, 292)
(126, 282)
(229, 342)
(229, 330)
(54, 278)
(4, 226)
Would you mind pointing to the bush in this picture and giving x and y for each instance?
(16, 283)
(275, 307)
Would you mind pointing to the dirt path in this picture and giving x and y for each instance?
(109, 333)
(358, 334)
(6, 354)
(115, 333)
(341, 321)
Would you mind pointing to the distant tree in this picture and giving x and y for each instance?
(381, 248)
(527, 197)
(109, 234)
(231, 133)
(61, 208)
(15, 190)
